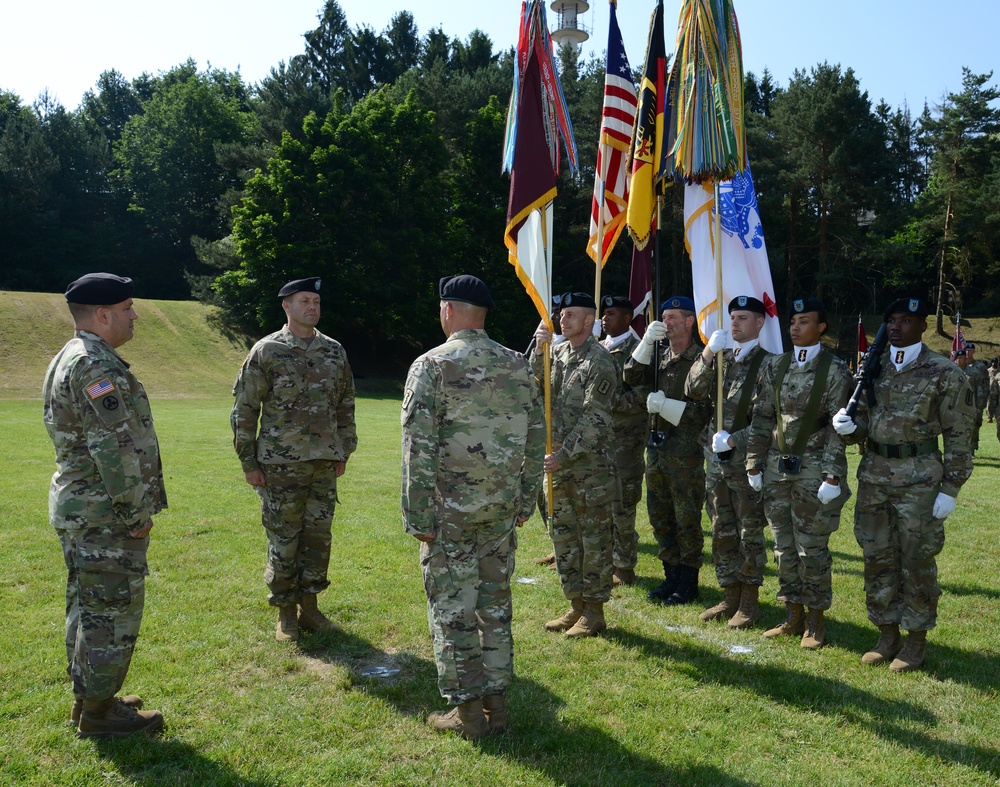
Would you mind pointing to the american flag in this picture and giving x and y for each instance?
(100, 388)
(958, 343)
(611, 180)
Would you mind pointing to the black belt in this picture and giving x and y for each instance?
(903, 450)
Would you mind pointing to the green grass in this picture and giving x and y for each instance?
(661, 699)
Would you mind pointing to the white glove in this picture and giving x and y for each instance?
(944, 506)
(655, 401)
(656, 331)
(756, 481)
(828, 492)
(720, 442)
(718, 341)
(670, 410)
(843, 424)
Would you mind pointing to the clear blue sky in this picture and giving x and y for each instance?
(901, 50)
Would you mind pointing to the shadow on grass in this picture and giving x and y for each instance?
(970, 590)
(892, 720)
(155, 761)
(567, 753)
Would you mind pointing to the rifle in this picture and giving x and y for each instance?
(869, 369)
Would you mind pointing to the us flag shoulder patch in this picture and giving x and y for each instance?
(100, 388)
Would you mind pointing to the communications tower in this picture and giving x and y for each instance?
(571, 28)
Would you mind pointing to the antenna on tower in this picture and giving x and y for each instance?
(571, 28)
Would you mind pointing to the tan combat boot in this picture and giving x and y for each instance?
(911, 657)
(812, 638)
(794, 622)
(496, 713)
(568, 618)
(591, 622)
(749, 612)
(547, 560)
(132, 700)
(311, 619)
(288, 624)
(622, 576)
(889, 644)
(466, 719)
(725, 608)
(112, 718)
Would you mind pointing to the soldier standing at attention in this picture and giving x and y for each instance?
(739, 550)
(991, 403)
(907, 483)
(107, 486)
(675, 466)
(628, 419)
(297, 384)
(979, 380)
(795, 455)
(473, 444)
(581, 464)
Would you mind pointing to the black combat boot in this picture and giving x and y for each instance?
(687, 586)
(667, 587)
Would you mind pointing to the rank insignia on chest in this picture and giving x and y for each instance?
(99, 389)
(736, 353)
(802, 356)
(899, 356)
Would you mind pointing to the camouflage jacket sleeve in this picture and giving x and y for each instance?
(534, 454)
(631, 398)
(838, 391)
(593, 424)
(958, 412)
(346, 429)
(419, 419)
(764, 417)
(982, 384)
(638, 375)
(994, 397)
(249, 391)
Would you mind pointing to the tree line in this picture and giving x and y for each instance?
(373, 160)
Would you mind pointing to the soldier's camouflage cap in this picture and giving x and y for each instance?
(99, 289)
(300, 285)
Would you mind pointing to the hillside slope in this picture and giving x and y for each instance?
(176, 352)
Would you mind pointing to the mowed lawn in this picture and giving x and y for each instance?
(660, 699)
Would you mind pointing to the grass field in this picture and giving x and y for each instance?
(661, 699)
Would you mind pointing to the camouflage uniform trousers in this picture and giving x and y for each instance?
(105, 595)
(739, 550)
(900, 539)
(467, 570)
(581, 529)
(801, 527)
(628, 493)
(297, 508)
(675, 495)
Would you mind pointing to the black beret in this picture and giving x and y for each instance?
(678, 302)
(99, 289)
(803, 305)
(300, 285)
(582, 299)
(616, 302)
(747, 303)
(915, 306)
(466, 289)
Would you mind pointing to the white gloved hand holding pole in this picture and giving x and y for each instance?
(720, 442)
(656, 331)
(843, 424)
(718, 341)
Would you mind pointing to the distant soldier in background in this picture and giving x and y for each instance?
(581, 464)
(628, 418)
(107, 486)
(296, 384)
(907, 482)
(739, 549)
(675, 466)
(991, 404)
(798, 460)
(473, 444)
(979, 377)
(994, 401)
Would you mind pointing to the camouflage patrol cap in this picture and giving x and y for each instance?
(99, 289)
(915, 306)
(678, 302)
(617, 302)
(747, 303)
(300, 285)
(466, 289)
(584, 300)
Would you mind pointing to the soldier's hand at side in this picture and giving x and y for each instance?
(944, 506)
(828, 492)
(255, 477)
(721, 442)
(340, 468)
(551, 464)
(425, 537)
(756, 481)
(843, 424)
(141, 532)
(521, 520)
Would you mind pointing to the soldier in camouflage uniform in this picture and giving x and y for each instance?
(628, 418)
(979, 381)
(297, 384)
(907, 482)
(991, 402)
(739, 550)
(794, 452)
(584, 383)
(675, 467)
(473, 444)
(107, 486)
(994, 399)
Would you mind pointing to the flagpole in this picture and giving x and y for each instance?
(600, 250)
(719, 372)
(547, 361)
(654, 434)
